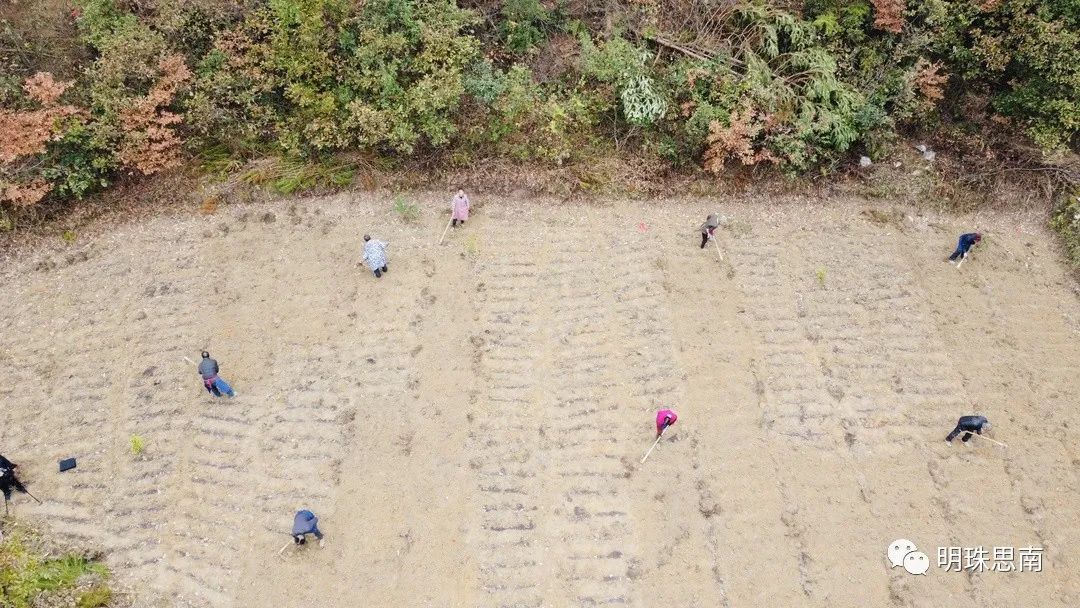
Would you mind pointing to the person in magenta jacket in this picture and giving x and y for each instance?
(664, 419)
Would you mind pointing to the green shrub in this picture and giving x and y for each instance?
(801, 86)
(485, 83)
(1024, 53)
(1066, 222)
(792, 106)
(642, 104)
(190, 27)
(79, 162)
(115, 117)
(524, 25)
(619, 62)
(101, 21)
(406, 210)
(321, 75)
(530, 122)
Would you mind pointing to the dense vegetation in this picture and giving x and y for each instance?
(30, 579)
(799, 86)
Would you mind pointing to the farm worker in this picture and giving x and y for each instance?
(375, 255)
(305, 523)
(664, 419)
(8, 481)
(708, 228)
(968, 425)
(208, 369)
(967, 241)
(459, 208)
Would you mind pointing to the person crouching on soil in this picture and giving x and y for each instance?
(305, 523)
(968, 425)
(375, 255)
(964, 245)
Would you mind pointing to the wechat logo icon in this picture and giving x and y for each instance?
(903, 552)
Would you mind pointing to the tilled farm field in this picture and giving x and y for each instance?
(469, 428)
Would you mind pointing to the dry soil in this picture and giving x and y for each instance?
(469, 427)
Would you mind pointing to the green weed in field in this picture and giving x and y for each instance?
(472, 246)
(137, 445)
(407, 211)
(96, 597)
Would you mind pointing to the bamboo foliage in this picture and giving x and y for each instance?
(794, 100)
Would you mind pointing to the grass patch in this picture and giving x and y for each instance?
(472, 246)
(95, 597)
(290, 175)
(219, 161)
(407, 211)
(27, 578)
(740, 228)
(885, 217)
(137, 445)
(820, 274)
(879, 191)
(1066, 222)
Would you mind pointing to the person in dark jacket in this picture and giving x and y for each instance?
(9, 483)
(968, 425)
(707, 229)
(208, 369)
(967, 241)
(305, 523)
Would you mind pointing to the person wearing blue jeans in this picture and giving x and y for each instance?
(208, 369)
(305, 523)
(967, 241)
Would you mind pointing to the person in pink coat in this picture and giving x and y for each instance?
(664, 419)
(459, 208)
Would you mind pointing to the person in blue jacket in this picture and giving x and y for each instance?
(967, 241)
(305, 523)
(968, 425)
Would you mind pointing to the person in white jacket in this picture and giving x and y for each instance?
(375, 255)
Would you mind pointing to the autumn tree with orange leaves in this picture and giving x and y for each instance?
(26, 134)
(126, 120)
(150, 142)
